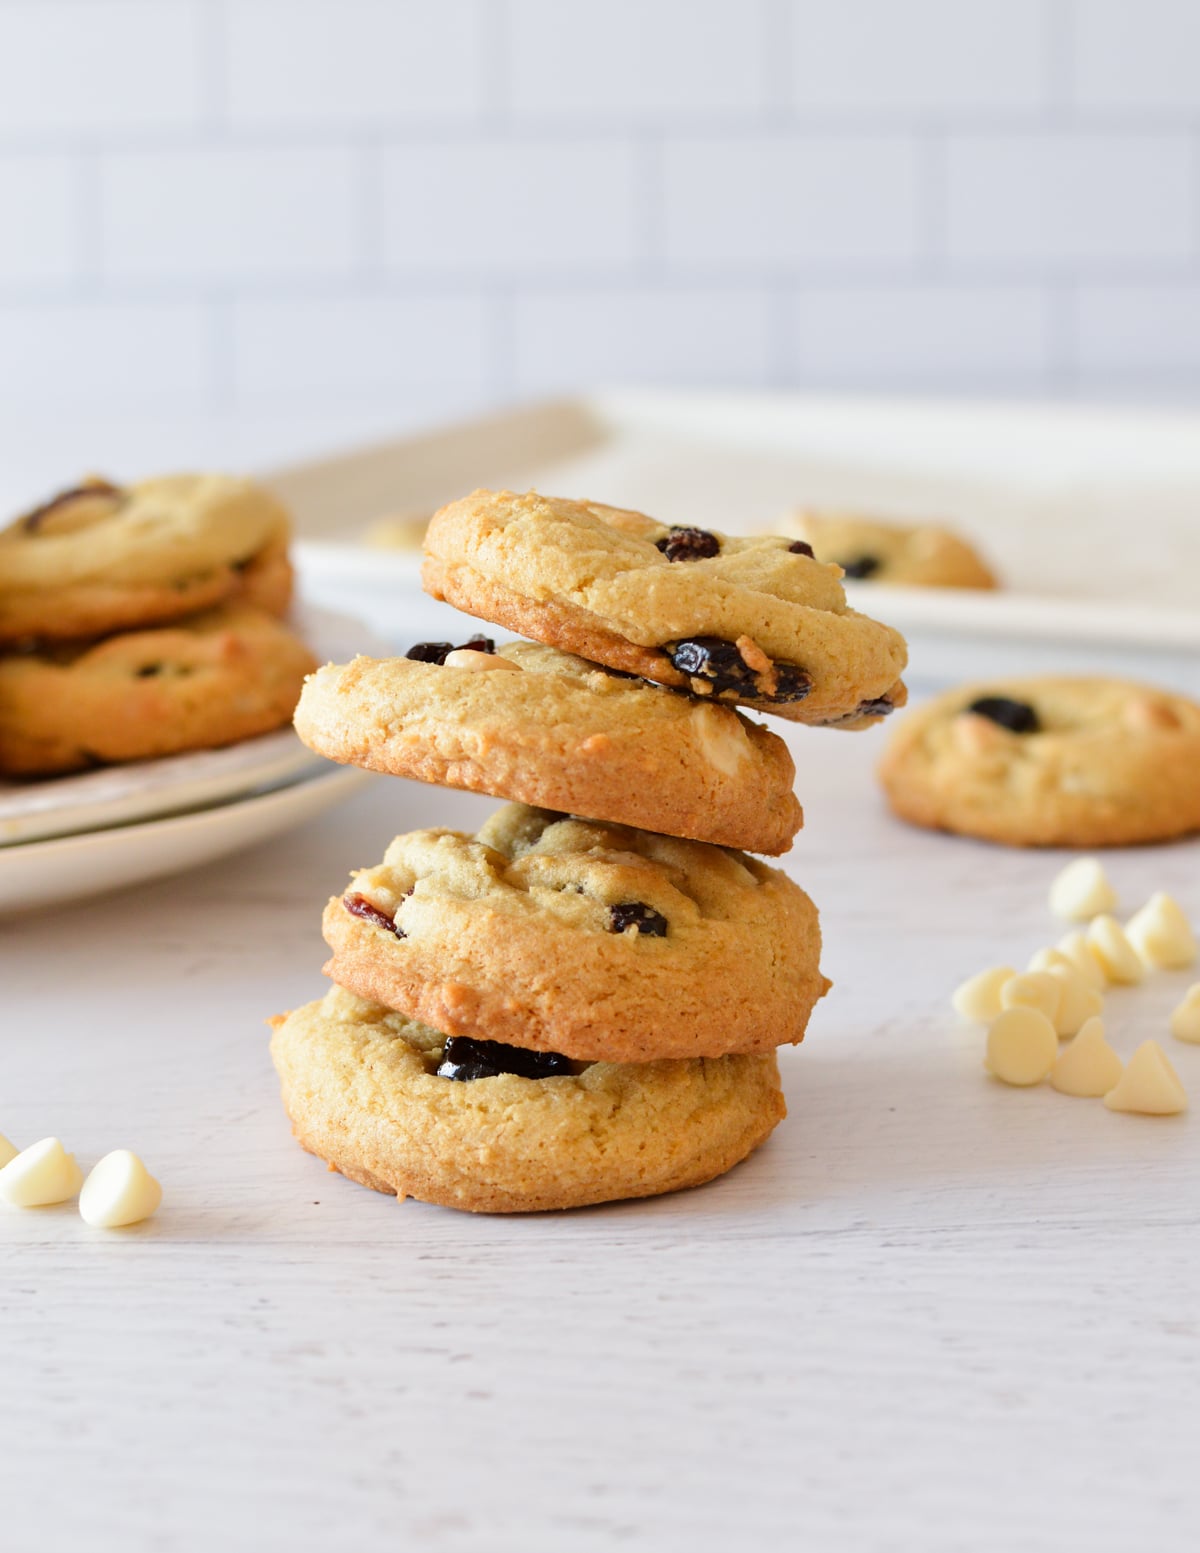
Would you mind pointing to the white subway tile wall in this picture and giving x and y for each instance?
(239, 204)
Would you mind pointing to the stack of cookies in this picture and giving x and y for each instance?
(582, 1001)
(141, 621)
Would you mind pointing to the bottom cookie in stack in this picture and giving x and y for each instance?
(396, 1106)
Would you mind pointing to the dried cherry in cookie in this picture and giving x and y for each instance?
(689, 544)
(466, 1058)
(861, 567)
(438, 652)
(1016, 716)
(359, 906)
(718, 667)
(637, 915)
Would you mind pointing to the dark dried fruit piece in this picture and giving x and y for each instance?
(637, 914)
(360, 906)
(720, 665)
(689, 544)
(862, 566)
(465, 1058)
(1016, 716)
(801, 547)
(32, 521)
(880, 706)
(438, 652)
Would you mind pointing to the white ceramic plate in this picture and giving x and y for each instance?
(120, 795)
(145, 789)
(73, 867)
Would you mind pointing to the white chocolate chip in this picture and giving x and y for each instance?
(977, 736)
(1149, 1085)
(1107, 941)
(721, 736)
(1049, 959)
(1078, 1003)
(1088, 1067)
(1075, 947)
(119, 1191)
(1144, 715)
(7, 1150)
(1033, 989)
(1021, 1046)
(979, 997)
(1161, 934)
(1082, 890)
(468, 658)
(1185, 1021)
(42, 1174)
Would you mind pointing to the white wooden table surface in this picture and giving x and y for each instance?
(932, 1313)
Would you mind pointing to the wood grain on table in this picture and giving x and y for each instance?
(933, 1313)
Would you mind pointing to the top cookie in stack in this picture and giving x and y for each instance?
(140, 621)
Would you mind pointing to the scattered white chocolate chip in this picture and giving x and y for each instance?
(1117, 957)
(42, 1174)
(1050, 959)
(1185, 1021)
(1149, 1085)
(1145, 715)
(1075, 947)
(7, 1150)
(1021, 1046)
(119, 1191)
(1078, 1003)
(979, 997)
(1088, 1067)
(1082, 890)
(721, 736)
(469, 658)
(1033, 989)
(1161, 934)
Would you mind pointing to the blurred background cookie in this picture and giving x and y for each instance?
(924, 555)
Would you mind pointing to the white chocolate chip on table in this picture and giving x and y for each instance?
(1118, 959)
(7, 1150)
(41, 1175)
(1033, 989)
(1074, 947)
(1185, 1021)
(1082, 891)
(978, 998)
(1088, 1067)
(1078, 1002)
(118, 1192)
(1161, 934)
(1149, 1086)
(1021, 1046)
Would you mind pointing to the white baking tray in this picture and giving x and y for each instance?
(1091, 516)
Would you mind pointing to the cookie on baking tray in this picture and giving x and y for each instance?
(923, 555)
(489, 1128)
(755, 621)
(527, 722)
(597, 941)
(1050, 761)
(101, 558)
(210, 680)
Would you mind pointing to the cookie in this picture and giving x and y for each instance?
(755, 621)
(211, 680)
(870, 550)
(103, 558)
(559, 733)
(362, 1089)
(1049, 761)
(598, 941)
